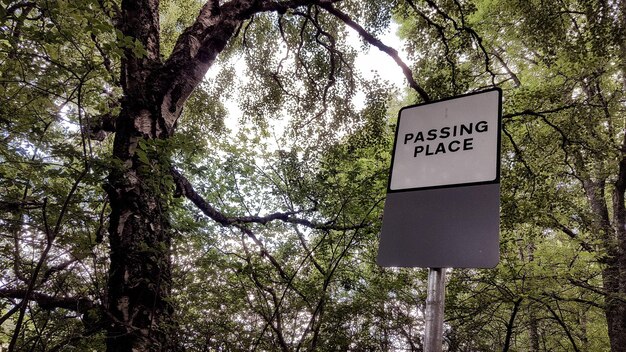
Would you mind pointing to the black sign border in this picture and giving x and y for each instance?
(498, 156)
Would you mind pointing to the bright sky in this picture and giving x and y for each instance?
(376, 60)
(368, 63)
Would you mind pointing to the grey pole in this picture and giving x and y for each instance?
(433, 335)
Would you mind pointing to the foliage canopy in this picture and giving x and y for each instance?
(136, 214)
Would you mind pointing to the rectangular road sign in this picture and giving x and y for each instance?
(449, 142)
(442, 206)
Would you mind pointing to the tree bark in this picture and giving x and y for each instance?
(138, 302)
(533, 329)
(616, 304)
(511, 325)
(140, 270)
(613, 260)
(139, 275)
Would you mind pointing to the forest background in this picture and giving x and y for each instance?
(132, 219)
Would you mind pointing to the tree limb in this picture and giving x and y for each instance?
(184, 188)
(537, 113)
(49, 302)
(569, 232)
(506, 67)
(510, 324)
(393, 53)
(559, 319)
(197, 47)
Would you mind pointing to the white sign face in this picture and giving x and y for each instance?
(448, 142)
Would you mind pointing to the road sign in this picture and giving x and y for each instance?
(450, 142)
(442, 206)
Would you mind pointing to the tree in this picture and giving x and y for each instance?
(561, 66)
(122, 77)
(133, 220)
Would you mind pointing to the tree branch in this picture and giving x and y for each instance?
(393, 53)
(518, 151)
(569, 232)
(562, 324)
(442, 35)
(510, 324)
(530, 112)
(184, 188)
(463, 27)
(49, 302)
(506, 67)
(197, 47)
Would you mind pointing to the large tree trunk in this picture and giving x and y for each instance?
(139, 276)
(616, 302)
(155, 91)
(615, 308)
(612, 235)
(138, 306)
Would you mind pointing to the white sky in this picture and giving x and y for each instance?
(368, 63)
(376, 60)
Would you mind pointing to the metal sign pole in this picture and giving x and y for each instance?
(433, 335)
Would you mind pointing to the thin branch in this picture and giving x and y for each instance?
(393, 53)
(508, 70)
(577, 300)
(562, 324)
(463, 27)
(106, 61)
(518, 151)
(73, 339)
(289, 284)
(442, 35)
(569, 232)
(57, 268)
(530, 112)
(309, 251)
(328, 278)
(595, 289)
(277, 302)
(50, 237)
(10, 313)
(510, 324)
(184, 188)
